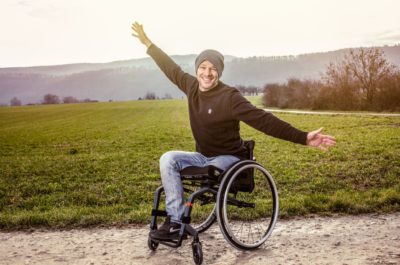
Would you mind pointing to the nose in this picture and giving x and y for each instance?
(208, 71)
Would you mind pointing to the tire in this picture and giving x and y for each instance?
(197, 253)
(247, 226)
(207, 223)
(152, 244)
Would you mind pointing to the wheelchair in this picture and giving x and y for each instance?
(243, 199)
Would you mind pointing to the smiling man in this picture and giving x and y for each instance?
(209, 65)
(215, 111)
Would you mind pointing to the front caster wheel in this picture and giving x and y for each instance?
(197, 253)
(152, 244)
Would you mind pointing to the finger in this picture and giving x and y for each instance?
(319, 130)
(134, 35)
(329, 143)
(330, 140)
(314, 134)
(136, 25)
(328, 137)
(137, 33)
(134, 28)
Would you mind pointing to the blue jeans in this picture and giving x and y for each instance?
(171, 163)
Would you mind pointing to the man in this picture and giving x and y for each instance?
(215, 110)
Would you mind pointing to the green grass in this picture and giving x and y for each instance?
(97, 163)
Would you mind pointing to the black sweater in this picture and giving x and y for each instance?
(215, 114)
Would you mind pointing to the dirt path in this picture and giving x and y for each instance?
(335, 113)
(366, 239)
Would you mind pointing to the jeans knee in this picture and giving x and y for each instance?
(167, 160)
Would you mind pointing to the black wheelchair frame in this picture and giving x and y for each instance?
(224, 188)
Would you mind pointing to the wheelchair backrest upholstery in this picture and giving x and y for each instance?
(250, 149)
(245, 180)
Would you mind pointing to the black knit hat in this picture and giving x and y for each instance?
(214, 57)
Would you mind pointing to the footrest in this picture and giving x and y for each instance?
(158, 213)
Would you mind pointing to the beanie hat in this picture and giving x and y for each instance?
(214, 57)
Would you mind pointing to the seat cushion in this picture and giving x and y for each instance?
(201, 172)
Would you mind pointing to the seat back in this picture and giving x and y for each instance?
(245, 180)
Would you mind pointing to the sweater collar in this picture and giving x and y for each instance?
(211, 91)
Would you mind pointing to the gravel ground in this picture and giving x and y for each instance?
(362, 239)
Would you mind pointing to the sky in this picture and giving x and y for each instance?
(51, 32)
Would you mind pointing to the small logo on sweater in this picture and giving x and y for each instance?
(209, 111)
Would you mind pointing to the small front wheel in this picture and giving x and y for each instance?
(152, 244)
(197, 253)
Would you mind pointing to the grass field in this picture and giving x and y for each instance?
(97, 163)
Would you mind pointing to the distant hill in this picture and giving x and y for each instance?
(131, 79)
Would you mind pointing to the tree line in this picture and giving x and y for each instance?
(153, 96)
(363, 80)
(53, 99)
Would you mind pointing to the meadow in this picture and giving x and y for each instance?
(77, 165)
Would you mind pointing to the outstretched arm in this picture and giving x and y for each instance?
(139, 33)
(319, 140)
(173, 71)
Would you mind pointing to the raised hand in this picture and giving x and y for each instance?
(139, 33)
(319, 140)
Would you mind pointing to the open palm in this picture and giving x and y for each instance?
(319, 140)
(139, 33)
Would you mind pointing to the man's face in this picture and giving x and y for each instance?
(207, 76)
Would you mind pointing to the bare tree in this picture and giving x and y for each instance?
(69, 99)
(51, 99)
(369, 67)
(150, 95)
(359, 76)
(15, 102)
(389, 98)
(242, 89)
(341, 88)
(252, 90)
(167, 96)
(272, 95)
(88, 100)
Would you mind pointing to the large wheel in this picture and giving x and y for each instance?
(203, 213)
(247, 218)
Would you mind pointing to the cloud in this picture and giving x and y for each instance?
(24, 3)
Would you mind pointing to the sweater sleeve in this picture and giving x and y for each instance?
(264, 121)
(173, 71)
